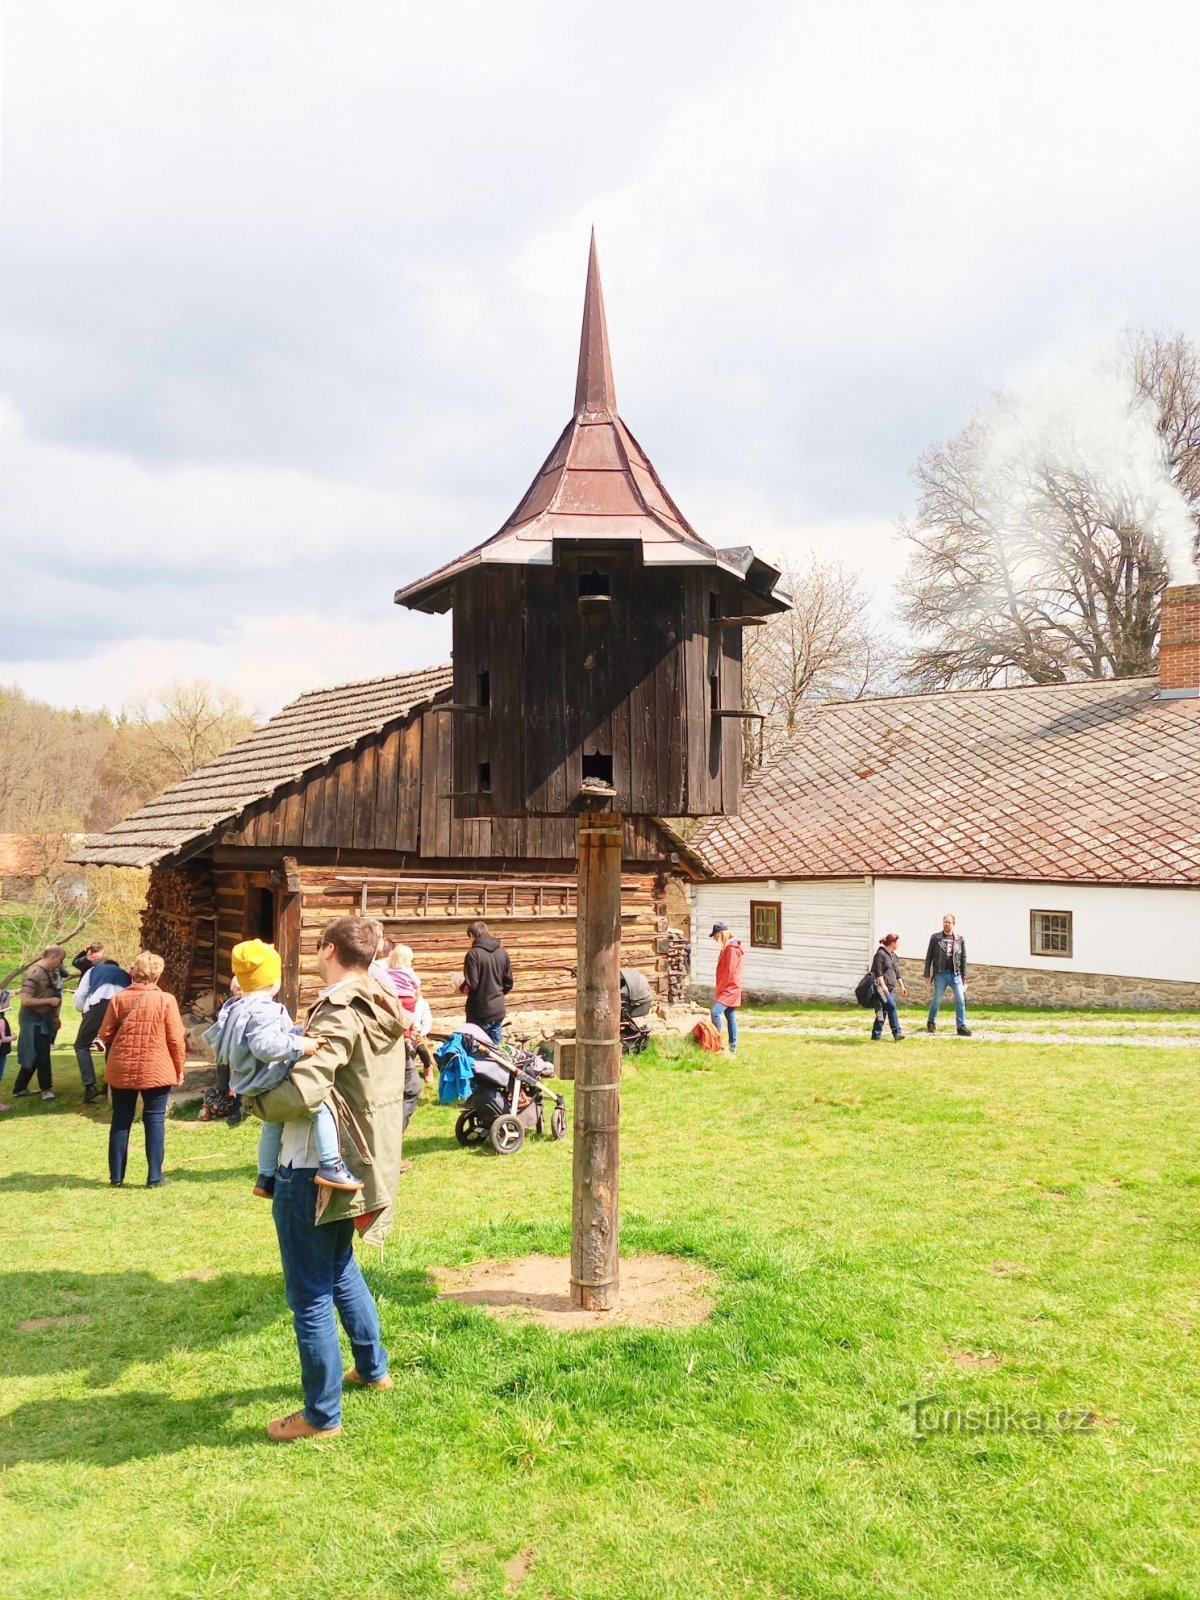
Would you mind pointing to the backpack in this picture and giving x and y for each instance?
(866, 993)
(706, 1036)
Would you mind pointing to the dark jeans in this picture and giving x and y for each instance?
(885, 1005)
(86, 1038)
(40, 1041)
(320, 1275)
(4, 1049)
(412, 1088)
(154, 1113)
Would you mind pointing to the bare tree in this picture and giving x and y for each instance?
(104, 903)
(824, 648)
(1166, 373)
(57, 915)
(1046, 530)
(187, 724)
(161, 739)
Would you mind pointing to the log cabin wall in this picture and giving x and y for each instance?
(533, 915)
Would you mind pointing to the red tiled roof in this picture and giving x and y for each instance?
(27, 855)
(1095, 782)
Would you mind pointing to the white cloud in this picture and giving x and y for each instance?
(290, 295)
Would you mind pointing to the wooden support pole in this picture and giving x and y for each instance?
(595, 1234)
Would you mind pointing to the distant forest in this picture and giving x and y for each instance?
(80, 771)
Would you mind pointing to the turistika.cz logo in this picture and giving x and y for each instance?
(931, 1415)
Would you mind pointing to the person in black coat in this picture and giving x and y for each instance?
(487, 978)
(885, 969)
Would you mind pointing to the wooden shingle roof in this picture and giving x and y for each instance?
(1087, 782)
(305, 734)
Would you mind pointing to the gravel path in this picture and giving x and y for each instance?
(995, 1033)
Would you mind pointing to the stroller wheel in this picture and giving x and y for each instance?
(507, 1135)
(558, 1123)
(469, 1129)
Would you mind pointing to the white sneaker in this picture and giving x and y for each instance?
(47, 1094)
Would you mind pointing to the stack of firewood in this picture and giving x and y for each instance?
(679, 966)
(177, 925)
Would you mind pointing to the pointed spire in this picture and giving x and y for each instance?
(594, 387)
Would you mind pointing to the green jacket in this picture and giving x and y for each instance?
(359, 1070)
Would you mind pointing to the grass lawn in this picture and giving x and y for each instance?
(998, 1224)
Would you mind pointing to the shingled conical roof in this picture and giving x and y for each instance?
(597, 483)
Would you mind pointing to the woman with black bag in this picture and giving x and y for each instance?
(885, 969)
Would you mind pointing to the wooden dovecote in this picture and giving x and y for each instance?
(597, 636)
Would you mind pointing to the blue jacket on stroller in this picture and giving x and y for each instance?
(456, 1077)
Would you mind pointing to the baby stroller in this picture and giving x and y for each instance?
(637, 997)
(508, 1096)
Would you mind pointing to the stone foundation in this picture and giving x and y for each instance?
(1018, 986)
(1031, 986)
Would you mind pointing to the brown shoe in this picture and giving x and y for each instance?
(355, 1382)
(406, 1165)
(286, 1430)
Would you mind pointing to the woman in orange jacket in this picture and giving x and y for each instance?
(145, 1044)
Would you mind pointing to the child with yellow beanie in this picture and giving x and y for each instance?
(255, 1037)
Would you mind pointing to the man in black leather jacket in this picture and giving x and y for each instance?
(946, 968)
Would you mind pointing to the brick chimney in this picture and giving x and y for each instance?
(1179, 643)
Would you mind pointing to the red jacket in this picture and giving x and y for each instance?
(728, 991)
(143, 1033)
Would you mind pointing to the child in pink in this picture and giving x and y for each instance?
(404, 978)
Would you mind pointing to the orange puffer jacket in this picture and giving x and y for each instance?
(143, 1034)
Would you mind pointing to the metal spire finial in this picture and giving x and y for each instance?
(594, 387)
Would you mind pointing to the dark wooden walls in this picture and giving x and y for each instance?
(390, 796)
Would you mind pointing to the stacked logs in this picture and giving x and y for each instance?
(679, 966)
(178, 924)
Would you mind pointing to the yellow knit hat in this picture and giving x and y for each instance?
(256, 965)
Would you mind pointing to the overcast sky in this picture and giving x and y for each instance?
(290, 289)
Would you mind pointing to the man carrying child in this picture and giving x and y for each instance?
(356, 1070)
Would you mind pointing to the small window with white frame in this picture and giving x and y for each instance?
(1051, 933)
(766, 924)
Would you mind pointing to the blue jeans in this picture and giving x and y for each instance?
(329, 1151)
(885, 1006)
(941, 982)
(320, 1275)
(730, 1015)
(494, 1030)
(154, 1113)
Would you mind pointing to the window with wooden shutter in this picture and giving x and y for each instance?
(766, 924)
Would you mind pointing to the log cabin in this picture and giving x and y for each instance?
(342, 804)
